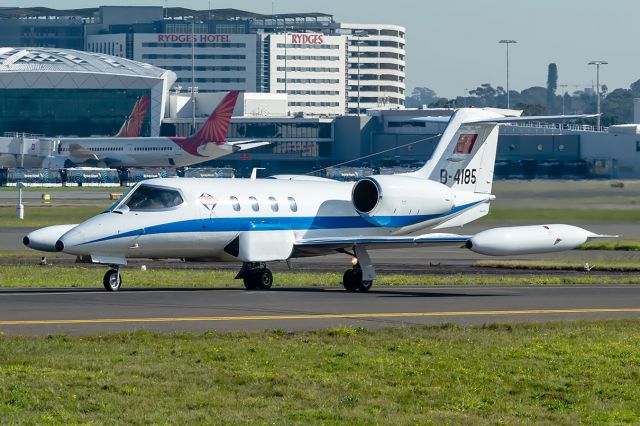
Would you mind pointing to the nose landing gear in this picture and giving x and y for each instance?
(256, 276)
(112, 279)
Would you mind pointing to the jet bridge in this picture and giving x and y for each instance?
(25, 150)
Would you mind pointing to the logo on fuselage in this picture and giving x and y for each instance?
(208, 201)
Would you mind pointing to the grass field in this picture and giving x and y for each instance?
(619, 245)
(45, 216)
(559, 215)
(46, 190)
(554, 373)
(564, 264)
(70, 277)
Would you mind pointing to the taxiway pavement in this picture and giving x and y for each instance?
(89, 311)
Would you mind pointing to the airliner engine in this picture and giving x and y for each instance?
(380, 199)
(528, 239)
(53, 162)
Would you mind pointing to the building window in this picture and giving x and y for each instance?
(254, 204)
(292, 204)
(235, 203)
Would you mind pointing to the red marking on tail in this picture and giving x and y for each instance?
(215, 128)
(465, 143)
(133, 124)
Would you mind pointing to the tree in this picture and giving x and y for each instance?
(617, 107)
(635, 88)
(552, 85)
(421, 96)
(534, 95)
(532, 109)
(486, 95)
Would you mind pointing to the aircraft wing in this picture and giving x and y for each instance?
(247, 144)
(79, 154)
(315, 246)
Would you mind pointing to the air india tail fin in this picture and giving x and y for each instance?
(465, 157)
(133, 124)
(215, 128)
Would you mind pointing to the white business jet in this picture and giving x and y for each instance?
(124, 150)
(255, 221)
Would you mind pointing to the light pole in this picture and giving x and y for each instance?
(193, 75)
(563, 88)
(508, 42)
(597, 64)
(19, 205)
(359, 35)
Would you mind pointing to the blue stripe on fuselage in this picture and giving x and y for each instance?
(275, 223)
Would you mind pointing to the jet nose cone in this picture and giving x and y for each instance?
(44, 239)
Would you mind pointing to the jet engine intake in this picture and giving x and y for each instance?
(397, 201)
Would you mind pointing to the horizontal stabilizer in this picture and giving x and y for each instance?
(501, 120)
(505, 120)
(248, 144)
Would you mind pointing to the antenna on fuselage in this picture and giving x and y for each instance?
(254, 172)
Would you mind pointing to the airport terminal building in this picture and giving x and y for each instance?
(52, 92)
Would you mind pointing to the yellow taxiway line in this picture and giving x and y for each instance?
(322, 316)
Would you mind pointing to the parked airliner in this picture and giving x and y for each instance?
(124, 152)
(255, 221)
(131, 128)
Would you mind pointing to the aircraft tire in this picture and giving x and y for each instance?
(365, 285)
(112, 280)
(264, 278)
(250, 282)
(350, 280)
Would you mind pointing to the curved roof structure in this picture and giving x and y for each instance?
(67, 60)
(51, 68)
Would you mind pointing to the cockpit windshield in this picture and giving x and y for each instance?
(153, 198)
(122, 197)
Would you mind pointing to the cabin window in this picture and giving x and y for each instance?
(153, 198)
(254, 204)
(274, 204)
(235, 203)
(292, 204)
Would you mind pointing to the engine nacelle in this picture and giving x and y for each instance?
(54, 162)
(44, 239)
(528, 239)
(398, 201)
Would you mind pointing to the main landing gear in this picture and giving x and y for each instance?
(352, 279)
(361, 276)
(112, 279)
(256, 276)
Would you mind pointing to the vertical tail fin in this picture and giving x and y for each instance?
(215, 128)
(133, 124)
(464, 158)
